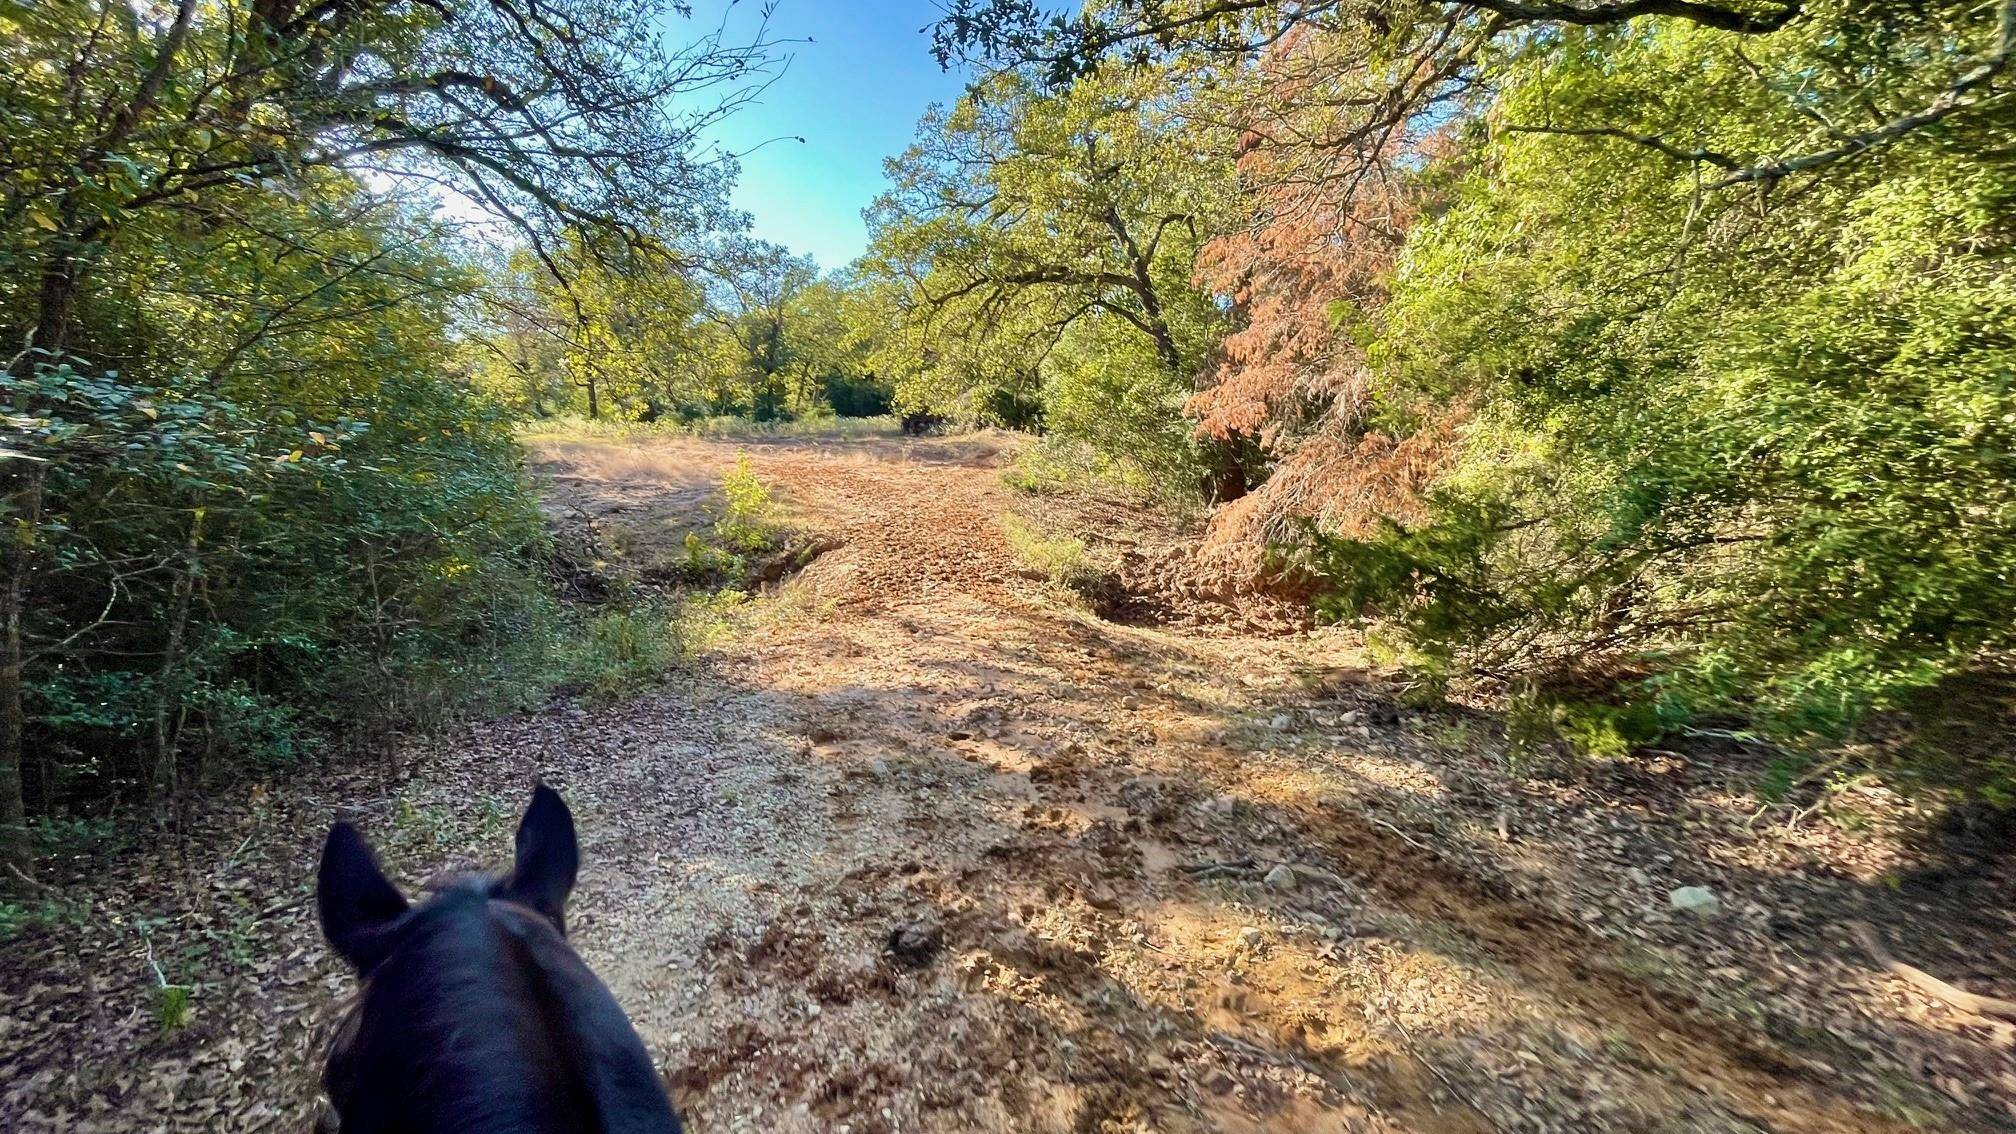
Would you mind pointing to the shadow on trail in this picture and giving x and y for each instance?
(1074, 791)
(1085, 816)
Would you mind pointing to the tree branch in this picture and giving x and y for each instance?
(1949, 102)
(1650, 141)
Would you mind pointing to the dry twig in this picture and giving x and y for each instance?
(1865, 935)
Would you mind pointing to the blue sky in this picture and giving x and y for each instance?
(854, 94)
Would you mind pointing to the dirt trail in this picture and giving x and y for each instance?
(930, 849)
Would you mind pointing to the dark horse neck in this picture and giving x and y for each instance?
(483, 1021)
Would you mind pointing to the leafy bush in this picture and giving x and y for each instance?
(1063, 560)
(1051, 466)
(746, 520)
(1013, 408)
(1108, 391)
(20, 916)
(1746, 454)
(624, 651)
(855, 396)
(311, 579)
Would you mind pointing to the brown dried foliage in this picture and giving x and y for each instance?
(1329, 207)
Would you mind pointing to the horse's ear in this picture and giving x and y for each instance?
(548, 858)
(356, 902)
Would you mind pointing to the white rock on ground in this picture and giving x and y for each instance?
(1698, 900)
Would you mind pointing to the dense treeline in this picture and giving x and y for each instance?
(252, 502)
(732, 327)
(1650, 362)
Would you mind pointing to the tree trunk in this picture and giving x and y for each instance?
(56, 295)
(166, 739)
(15, 859)
(532, 381)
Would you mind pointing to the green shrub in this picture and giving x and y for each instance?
(622, 652)
(21, 916)
(304, 579)
(56, 837)
(857, 396)
(746, 521)
(171, 1008)
(1052, 466)
(1107, 391)
(1740, 455)
(1063, 560)
(702, 561)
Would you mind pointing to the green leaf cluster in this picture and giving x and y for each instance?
(1735, 447)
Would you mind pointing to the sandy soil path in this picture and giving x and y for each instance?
(930, 849)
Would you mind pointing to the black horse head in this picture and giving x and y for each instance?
(476, 1015)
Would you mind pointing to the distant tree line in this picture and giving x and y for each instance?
(729, 327)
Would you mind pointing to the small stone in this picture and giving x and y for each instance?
(1281, 877)
(1250, 937)
(880, 768)
(1697, 900)
(1280, 721)
(914, 945)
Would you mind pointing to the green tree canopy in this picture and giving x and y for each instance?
(1026, 232)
